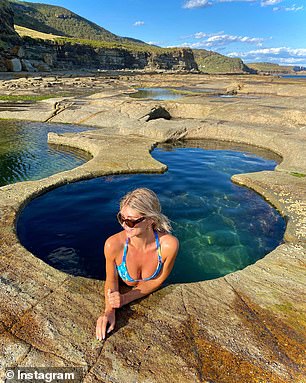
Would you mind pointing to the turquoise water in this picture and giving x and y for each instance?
(26, 155)
(221, 227)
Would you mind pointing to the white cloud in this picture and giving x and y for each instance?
(190, 4)
(227, 39)
(202, 35)
(138, 23)
(291, 60)
(220, 39)
(293, 8)
(193, 45)
(282, 50)
(265, 3)
(236, 1)
(276, 55)
(155, 43)
(197, 4)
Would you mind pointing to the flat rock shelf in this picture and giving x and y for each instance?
(247, 326)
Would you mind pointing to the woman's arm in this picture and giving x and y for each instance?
(143, 288)
(111, 284)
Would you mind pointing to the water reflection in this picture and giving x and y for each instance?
(156, 94)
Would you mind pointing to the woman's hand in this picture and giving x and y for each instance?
(115, 299)
(103, 320)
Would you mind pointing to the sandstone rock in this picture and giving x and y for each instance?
(233, 89)
(6, 19)
(41, 66)
(247, 327)
(18, 51)
(68, 56)
(181, 59)
(48, 59)
(3, 67)
(27, 66)
(13, 65)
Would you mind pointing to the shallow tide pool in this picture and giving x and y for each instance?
(221, 227)
(156, 94)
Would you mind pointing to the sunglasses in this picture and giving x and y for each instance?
(129, 222)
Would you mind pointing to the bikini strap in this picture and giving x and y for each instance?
(157, 245)
(125, 250)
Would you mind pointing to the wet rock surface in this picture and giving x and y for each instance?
(248, 326)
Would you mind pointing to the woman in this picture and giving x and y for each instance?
(143, 254)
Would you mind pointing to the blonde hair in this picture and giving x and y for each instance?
(146, 203)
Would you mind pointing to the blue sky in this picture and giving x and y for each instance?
(254, 30)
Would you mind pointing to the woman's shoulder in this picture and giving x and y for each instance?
(114, 244)
(168, 242)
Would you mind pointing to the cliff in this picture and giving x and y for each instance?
(271, 68)
(7, 19)
(213, 62)
(8, 37)
(77, 43)
(32, 54)
(69, 54)
(39, 55)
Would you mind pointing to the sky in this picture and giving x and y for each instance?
(254, 30)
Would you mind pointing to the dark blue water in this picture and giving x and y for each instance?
(221, 227)
(295, 76)
(26, 155)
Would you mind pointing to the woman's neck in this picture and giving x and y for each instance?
(143, 240)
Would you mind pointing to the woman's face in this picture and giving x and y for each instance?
(132, 214)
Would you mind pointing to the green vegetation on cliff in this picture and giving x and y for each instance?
(60, 21)
(212, 62)
(6, 16)
(30, 35)
(8, 36)
(271, 68)
(129, 46)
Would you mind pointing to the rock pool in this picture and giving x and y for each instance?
(157, 94)
(221, 227)
(26, 155)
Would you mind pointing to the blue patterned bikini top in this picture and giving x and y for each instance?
(123, 271)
